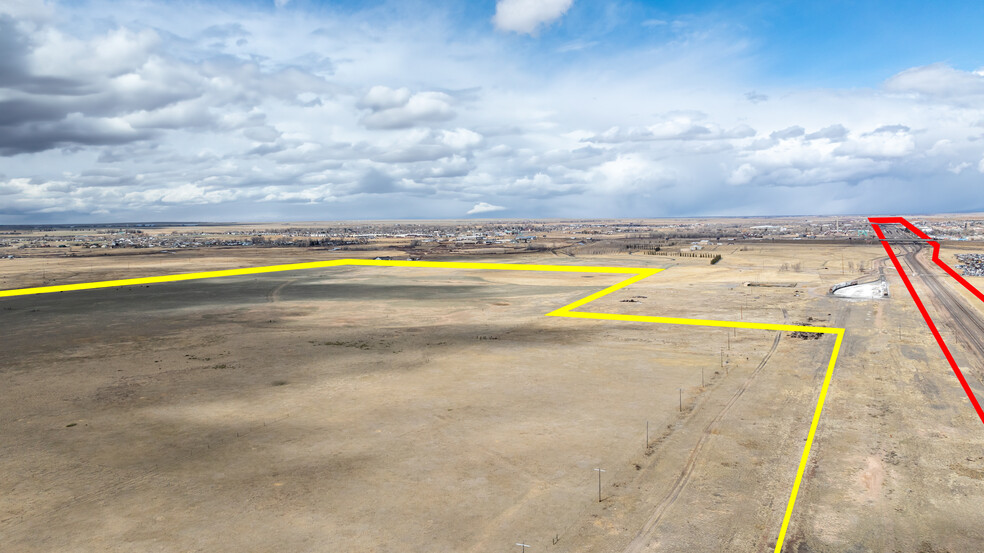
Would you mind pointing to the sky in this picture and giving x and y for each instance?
(297, 110)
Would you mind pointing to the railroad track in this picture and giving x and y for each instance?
(965, 321)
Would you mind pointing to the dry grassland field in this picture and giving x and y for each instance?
(418, 409)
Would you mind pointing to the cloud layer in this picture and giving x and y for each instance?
(292, 114)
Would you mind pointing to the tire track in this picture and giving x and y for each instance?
(13, 524)
(274, 295)
(643, 537)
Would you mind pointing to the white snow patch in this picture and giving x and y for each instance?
(867, 291)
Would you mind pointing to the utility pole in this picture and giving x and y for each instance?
(681, 400)
(702, 377)
(599, 483)
(523, 546)
(647, 434)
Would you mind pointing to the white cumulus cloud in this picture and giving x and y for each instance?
(383, 97)
(891, 141)
(483, 207)
(525, 16)
(399, 109)
(938, 80)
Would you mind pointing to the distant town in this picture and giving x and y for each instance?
(429, 238)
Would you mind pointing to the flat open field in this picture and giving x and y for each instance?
(391, 409)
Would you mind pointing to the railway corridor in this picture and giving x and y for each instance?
(962, 320)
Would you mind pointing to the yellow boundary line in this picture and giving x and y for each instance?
(565, 311)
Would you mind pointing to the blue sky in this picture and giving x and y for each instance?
(833, 43)
(852, 43)
(306, 110)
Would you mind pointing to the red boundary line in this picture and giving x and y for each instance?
(875, 222)
(936, 250)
